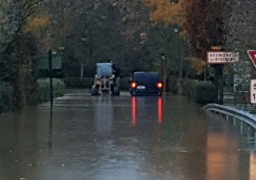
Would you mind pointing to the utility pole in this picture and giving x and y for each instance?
(163, 57)
(218, 78)
(180, 75)
(165, 76)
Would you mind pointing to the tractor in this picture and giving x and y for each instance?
(105, 81)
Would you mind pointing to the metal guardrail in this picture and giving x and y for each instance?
(237, 114)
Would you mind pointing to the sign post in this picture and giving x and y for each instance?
(218, 58)
(49, 63)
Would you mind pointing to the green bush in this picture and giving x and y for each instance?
(189, 87)
(44, 89)
(205, 92)
(78, 82)
(6, 93)
(172, 85)
(124, 83)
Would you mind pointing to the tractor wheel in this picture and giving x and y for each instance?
(116, 91)
(94, 91)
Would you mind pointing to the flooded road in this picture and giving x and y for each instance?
(121, 138)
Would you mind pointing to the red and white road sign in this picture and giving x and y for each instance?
(252, 55)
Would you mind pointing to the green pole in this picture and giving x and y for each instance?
(50, 75)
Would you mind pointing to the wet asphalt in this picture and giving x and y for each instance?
(121, 138)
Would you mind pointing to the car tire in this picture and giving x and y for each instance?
(133, 94)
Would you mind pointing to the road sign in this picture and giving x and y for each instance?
(222, 57)
(216, 48)
(253, 90)
(252, 55)
(56, 62)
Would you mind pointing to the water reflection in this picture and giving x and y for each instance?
(252, 165)
(19, 140)
(133, 111)
(50, 129)
(167, 140)
(222, 158)
(159, 110)
(103, 116)
(222, 154)
(144, 107)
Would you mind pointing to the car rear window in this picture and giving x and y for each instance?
(146, 77)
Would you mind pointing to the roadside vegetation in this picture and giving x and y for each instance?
(43, 89)
(133, 34)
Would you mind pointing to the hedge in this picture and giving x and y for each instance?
(189, 87)
(6, 93)
(78, 82)
(205, 92)
(44, 89)
(88, 82)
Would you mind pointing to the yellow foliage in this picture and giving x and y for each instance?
(35, 23)
(197, 64)
(165, 11)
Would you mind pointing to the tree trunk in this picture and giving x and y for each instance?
(205, 72)
(21, 87)
(82, 71)
(18, 83)
(180, 77)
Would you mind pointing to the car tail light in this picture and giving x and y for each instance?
(133, 84)
(159, 85)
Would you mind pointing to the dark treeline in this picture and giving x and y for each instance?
(86, 32)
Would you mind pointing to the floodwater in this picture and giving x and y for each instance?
(121, 138)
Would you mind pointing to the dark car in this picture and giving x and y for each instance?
(146, 83)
